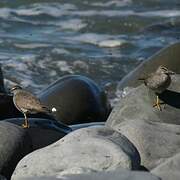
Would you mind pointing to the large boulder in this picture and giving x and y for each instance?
(169, 170)
(14, 145)
(156, 142)
(42, 131)
(121, 174)
(77, 100)
(138, 105)
(82, 151)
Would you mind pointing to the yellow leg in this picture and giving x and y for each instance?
(26, 123)
(158, 104)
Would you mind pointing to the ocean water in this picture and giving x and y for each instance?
(42, 40)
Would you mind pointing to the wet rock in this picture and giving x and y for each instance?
(138, 105)
(169, 169)
(156, 142)
(82, 151)
(15, 144)
(112, 175)
(77, 100)
(42, 131)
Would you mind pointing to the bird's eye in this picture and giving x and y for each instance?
(163, 68)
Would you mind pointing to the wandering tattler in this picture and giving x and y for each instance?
(27, 103)
(158, 81)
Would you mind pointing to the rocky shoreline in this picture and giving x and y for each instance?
(82, 141)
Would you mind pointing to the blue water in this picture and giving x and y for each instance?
(41, 41)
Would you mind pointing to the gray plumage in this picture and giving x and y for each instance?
(27, 103)
(160, 80)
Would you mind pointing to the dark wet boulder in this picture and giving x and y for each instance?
(2, 88)
(86, 150)
(14, 145)
(120, 174)
(42, 131)
(77, 100)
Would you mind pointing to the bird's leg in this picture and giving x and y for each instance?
(158, 103)
(26, 123)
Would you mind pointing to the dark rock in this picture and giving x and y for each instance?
(2, 89)
(83, 151)
(112, 175)
(15, 144)
(77, 100)
(169, 170)
(2, 177)
(43, 131)
(156, 142)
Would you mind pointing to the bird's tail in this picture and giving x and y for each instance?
(141, 79)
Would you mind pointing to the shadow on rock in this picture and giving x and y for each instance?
(171, 98)
(42, 132)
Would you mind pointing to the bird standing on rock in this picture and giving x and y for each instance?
(158, 81)
(27, 103)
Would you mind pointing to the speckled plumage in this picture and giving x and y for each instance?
(160, 80)
(27, 103)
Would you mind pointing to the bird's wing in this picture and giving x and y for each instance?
(28, 101)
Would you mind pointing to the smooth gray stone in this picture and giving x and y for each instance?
(43, 131)
(77, 100)
(138, 105)
(168, 57)
(156, 142)
(14, 145)
(112, 175)
(84, 125)
(86, 150)
(169, 170)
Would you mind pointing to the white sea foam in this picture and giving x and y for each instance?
(32, 45)
(115, 3)
(53, 9)
(119, 94)
(111, 43)
(63, 66)
(72, 24)
(60, 51)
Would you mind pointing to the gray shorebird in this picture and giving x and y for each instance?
(27, 103)
(158, 81)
